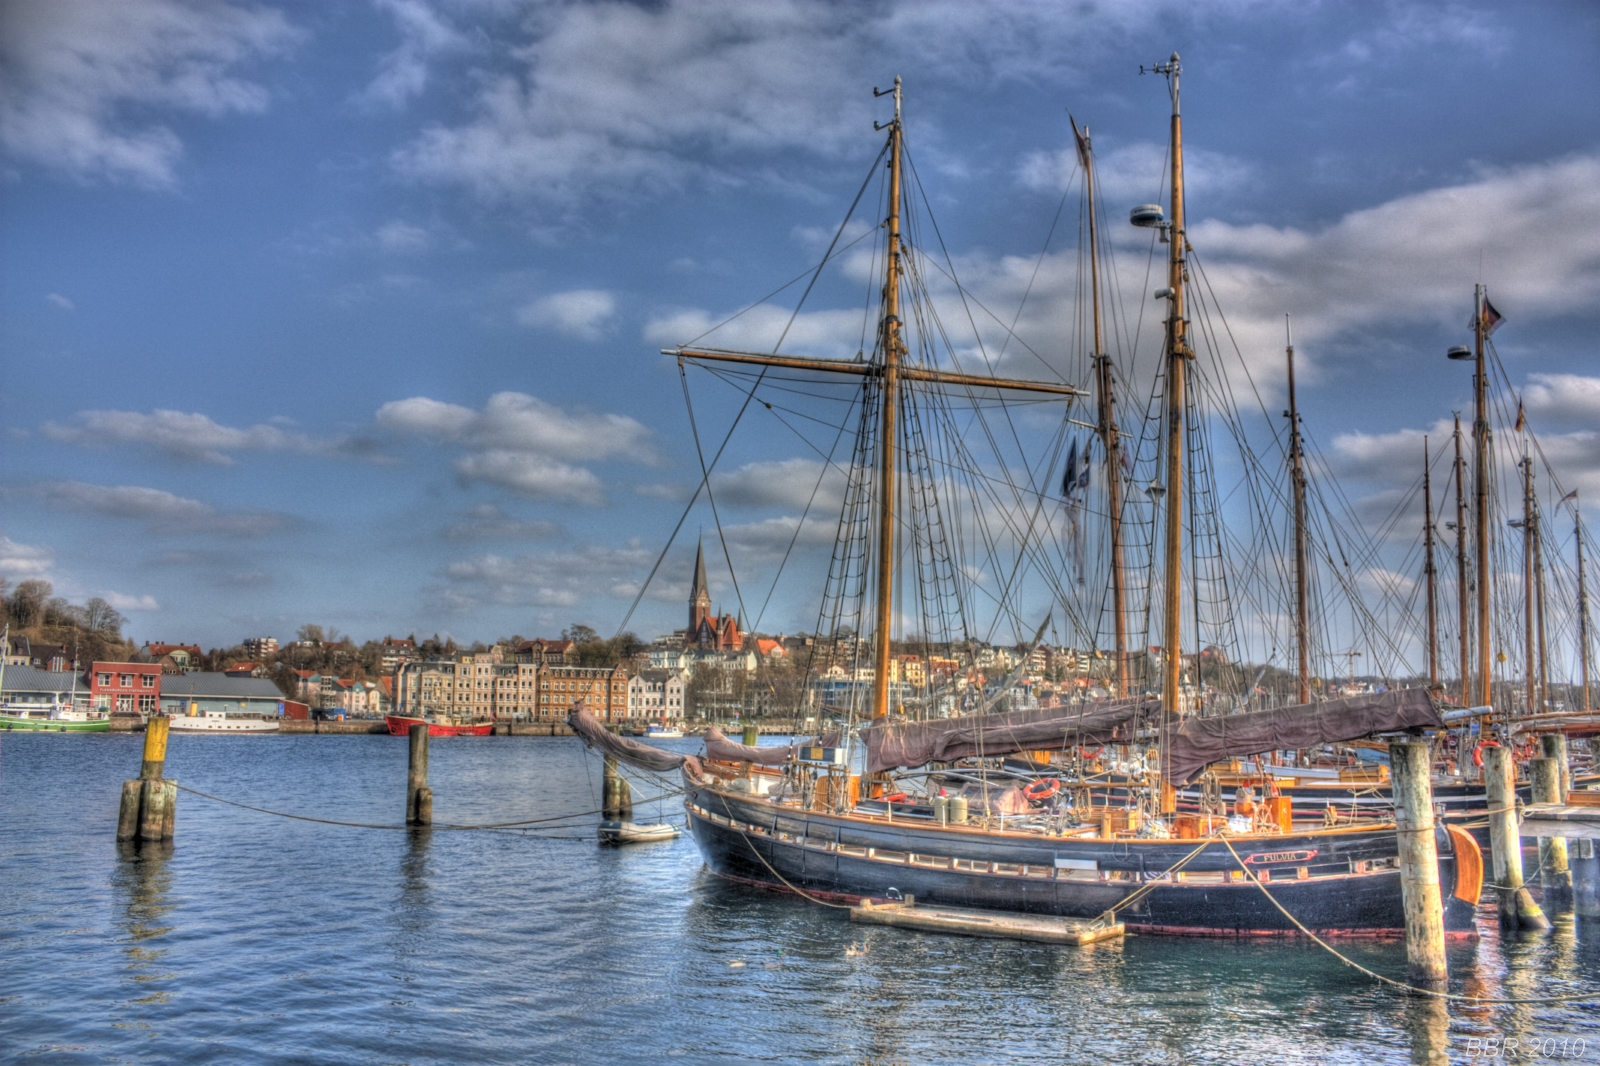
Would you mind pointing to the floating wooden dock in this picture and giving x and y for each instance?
(966, 921)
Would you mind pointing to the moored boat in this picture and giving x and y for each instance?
(222, 722)
(613, 831)
(400, 726)
(52, 718)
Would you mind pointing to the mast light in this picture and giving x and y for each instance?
(1459, 351)
(1147, 216)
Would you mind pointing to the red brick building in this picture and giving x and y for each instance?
(126, 687)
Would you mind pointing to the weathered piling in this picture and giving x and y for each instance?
(149, 807)
(752, 736)
(419, 797)
(1517, 907)
(1554, 746)
(1411, 764)
(1555, 875)
(1586, 879)
(616, 798)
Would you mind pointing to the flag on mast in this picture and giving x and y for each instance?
(1490, 318)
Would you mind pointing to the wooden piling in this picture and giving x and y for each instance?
(1555, 874)
(419, 797)
(1517, 907)
(149, 806)
(752, 736)
(1411, 764)
(1554, 746)
(616, 798)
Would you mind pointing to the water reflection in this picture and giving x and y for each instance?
(1428, 1019)
(413, 913)
(143, 883)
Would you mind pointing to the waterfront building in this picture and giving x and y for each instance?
(202, 691)
(707, 631)
(481, 686)
(603, 690)
(543, 652)
(656, 694)
(182, 657)
(125, 688)
(392, 653)
(20, 651)
(30, 684)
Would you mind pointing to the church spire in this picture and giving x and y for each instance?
(699, 593)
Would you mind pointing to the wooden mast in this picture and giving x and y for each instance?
(893, 346)
(1177, 369)
(1297, 481)
(891, 374)
(1538, 592)
(1480, 494)
(1529, 676)
(1462, 587)
(1428, 568)
(1583, 605)
(1107, 426)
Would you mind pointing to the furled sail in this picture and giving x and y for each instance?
(890, 745)
(718, 746)
(633, 752)
(1198, 742)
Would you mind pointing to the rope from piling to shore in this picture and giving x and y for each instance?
(529, 823)
(1578, 999)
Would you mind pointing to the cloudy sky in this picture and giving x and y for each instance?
(350, 313)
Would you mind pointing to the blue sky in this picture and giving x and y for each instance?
(349, 313)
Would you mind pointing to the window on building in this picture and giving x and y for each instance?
(148, 681)
(102, 680)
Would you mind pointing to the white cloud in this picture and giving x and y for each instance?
(530, 475)
(830, 333)
(159, 510)
(580, 313)
(20, 561)
(786, 483)
(192, 437)
(60, 301)
(554, 579)
(397, 235)
(81, 84)
(424, 35)
(132, 603)
(515, 421)
(1563, 397)
(1137, 173)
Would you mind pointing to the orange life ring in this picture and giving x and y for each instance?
(1477, 752)
(1041, 790)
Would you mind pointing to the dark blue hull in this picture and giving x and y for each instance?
(1338, 882)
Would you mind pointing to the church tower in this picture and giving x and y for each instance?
(699, 595)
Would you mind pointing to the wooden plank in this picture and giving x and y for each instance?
(964, 921)
(1555, 820)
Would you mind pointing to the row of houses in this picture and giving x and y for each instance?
(486, 686)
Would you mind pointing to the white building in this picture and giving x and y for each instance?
(656, 694)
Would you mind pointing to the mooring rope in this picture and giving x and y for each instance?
(1580, 999)
(528, 823)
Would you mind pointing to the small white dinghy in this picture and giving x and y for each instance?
(614, 832)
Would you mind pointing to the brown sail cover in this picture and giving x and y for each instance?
(633, 752)
(890, 745)
(1198, 742)
(718, 746)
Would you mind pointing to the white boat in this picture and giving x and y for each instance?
(614, 832)
(198, 721)
(659, 731)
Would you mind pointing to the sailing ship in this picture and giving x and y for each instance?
(928, 812)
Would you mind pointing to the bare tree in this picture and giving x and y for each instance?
(101, 617)
(27, 602)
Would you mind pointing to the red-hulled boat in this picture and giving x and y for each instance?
(400, 726)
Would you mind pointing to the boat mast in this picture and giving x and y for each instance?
(1297, 480)
(1177, 368)
(1428, 569)
(893, 346)
(1107, 427)
(1529, 678)
(1480, 492)
(1538, 592)
(1583, 605)
(1465, 619)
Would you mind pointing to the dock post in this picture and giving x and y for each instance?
(752, 736)
(1555, 875)
(1517, 907)
(419, 797)
(1411, 764)
(1586, 879)
(1554, 746)
(616, 798)
(149, 805)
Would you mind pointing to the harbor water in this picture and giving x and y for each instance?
(257, 938)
